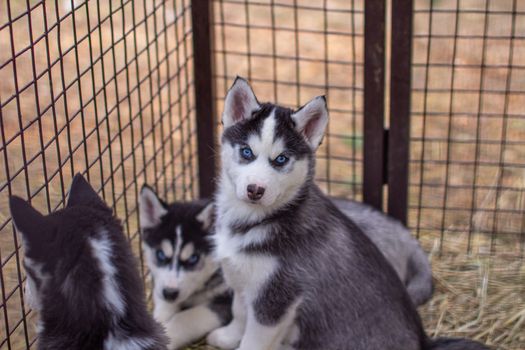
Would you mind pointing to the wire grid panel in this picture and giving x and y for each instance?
(292, 51)
(468, 126)
(98, 87)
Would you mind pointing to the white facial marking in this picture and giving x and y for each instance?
(178, 240)
(167, 248)
(267, 133)
(187, 251)
(173, 276)
(102, 252)
(280, 183)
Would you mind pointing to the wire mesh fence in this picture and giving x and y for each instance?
(107, 88)
(103, 88)
(468, 128)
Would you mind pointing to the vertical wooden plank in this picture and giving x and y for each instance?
(400, 88)
(374, 102)
(201, 14)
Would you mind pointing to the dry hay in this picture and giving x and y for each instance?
(480, 298)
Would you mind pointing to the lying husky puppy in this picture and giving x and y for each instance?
(173, 233)
(189, 294)
(300, 270)
(82, 277)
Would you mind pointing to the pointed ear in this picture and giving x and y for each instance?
(28, 221)
(311, 120)
(151, 208)
(240, 103)
(206, 216)
(81, 193)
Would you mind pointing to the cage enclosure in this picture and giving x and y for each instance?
(427, 122)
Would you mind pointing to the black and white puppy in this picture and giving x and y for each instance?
(190, 297)
(82, 277)
(302, 273)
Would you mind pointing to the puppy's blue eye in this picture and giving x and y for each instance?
(161, 257)
(281, 160)
(247, 153)
(192, 260)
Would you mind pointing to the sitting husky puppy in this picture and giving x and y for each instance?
(82, 277)
(173, 232)
(300, 270)
(189, 294)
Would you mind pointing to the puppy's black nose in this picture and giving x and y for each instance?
(170, 294)
(255, 192)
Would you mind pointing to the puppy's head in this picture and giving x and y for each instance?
(176, 245)
(73, 256)
(267, 150)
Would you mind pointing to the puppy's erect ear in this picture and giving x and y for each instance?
(82, 194)
(206, 216)
(240, 103)
(311, 120)
(34, 227)
(151, 208)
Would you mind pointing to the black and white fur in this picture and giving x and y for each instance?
(206, 285)
(189, 294)
(302, 273)
(82, 277)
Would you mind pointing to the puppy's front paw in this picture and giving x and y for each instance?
(163, 315)
(227, 337)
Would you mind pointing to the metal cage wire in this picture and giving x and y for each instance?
(109, 89)
(102, 88)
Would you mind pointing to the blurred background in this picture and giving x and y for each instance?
(107, 88)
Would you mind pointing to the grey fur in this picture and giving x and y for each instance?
(396, 243)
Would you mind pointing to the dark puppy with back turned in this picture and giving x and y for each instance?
(82, 277)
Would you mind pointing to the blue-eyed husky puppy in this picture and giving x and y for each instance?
(302, 272)
(189, 294)
(174, 232)
(82, 277)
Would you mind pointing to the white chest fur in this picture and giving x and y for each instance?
(243, 271)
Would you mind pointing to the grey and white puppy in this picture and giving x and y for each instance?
(82, 277)
(302, 273)
(193, 294)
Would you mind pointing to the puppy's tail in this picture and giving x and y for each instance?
(419, 286)
(455, 344)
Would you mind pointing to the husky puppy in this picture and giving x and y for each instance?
(189, 294)
(300, 270)
(82, 277)
(174, 288)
